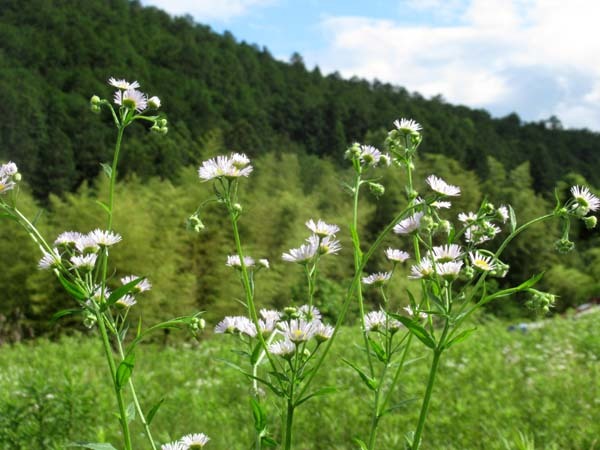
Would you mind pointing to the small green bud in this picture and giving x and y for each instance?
(164, 130)
(489, 208)
(95, 108)
(562, 212)
(590, 222)
(89, 319)
(162, 122)
(428, 224)
(445, 226)
(237, 208)
(467, 273)
(17, 177)
(291, 312)
(193, 223)
(376, 189)
(95, 100)
(500, 270)
(411, 194)
(564, 245)
(353, 152)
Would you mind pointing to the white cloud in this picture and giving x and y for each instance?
(536, 57)
(203, 10)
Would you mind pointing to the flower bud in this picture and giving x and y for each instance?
(590, 222)
(564, 245)
(95, 100)
(154, 102)
(17, 178)
(500, 269)
(376, 189)
(489, 208)
(89, 319)
(353, 152)
(428, 224)
(95, 108)
(237, 208)
(445, 226)
(193, 223)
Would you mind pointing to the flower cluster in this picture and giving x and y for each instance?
(480, 227)
(249, 262)
(285, 330)
(195, 441)
(233, 166)
(322, 242)
(381, 322)
(9, 176)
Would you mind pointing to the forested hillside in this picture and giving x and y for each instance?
(221, 95)
(55, 53)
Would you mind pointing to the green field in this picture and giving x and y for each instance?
(495, 391)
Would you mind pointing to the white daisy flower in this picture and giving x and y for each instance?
(86, 244)
(396, 255)
(370, 156)
(441, 187)
(125, 302)
(282, 348)
(298, 330)
(481, 261)
(234, 324)
(503, 213)
(104, 238)
(8, 170)
(264, 263)
(50, 260)
(68, 238)
(302, 254)
(377, 278)
(132, 99)
(446, 253)
(409, 224)
(227, 326)
(85, 262)
(234, 261)
(422, 270)
(123, 84)
(309, 313)
(142, 286)
(375, 321)
(233, 166)
(323, 332)
(6, 184)
(270, 315)
(441, 204)
(97, 294)
(194, 441)
(173, 446)
(467, 218)
(585, 199)
(321, 228)
(408, 126)
(329, 245)
(449, 269)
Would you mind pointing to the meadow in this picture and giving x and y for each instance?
(500, 390)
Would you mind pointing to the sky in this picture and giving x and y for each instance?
(537, 58)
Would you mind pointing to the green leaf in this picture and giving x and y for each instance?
(513, 219)
(104, 206)
(122, 291)
(361, 444)
(460, 337)
(260, 417)
(370, 382)
(64, 312)
(378, 350)
(107, 169)
(318, 392)
(416, 329)
(531, 282)
(153, 411)
(73, 290)
(125, 369)
(92, 446)
(130, 413)
(268, 441)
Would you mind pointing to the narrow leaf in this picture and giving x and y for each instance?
(73, 290)
(122, 291)
(92, 446)
(416, 329)
(107, 169)
(318, 392)
(361, 444)
(460, 337)
(378, 350)
(153, 411)
(63, 313)
(268, 441)
(370, 382)
(125, 369)
(513, 218)
(256, 353)
(260, 417)
(104, 206)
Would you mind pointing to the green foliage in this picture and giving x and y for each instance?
(54, 55)
(526, 374)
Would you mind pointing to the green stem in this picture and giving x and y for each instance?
(376, 409)
(386, 400)
(113, 374)
(289, 420)
(425, 406)
(113, 177)
(135, 398)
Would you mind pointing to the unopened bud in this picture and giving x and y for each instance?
(564, 245)
(445, 226)
(353, 151)
(489, 208)
(590, 222)
(89, 319)
(95, 100)
(17, 177)
(154, 102)
(193, 223)
(428, 224)
(237, 207)
(95, 108)
(376, 189)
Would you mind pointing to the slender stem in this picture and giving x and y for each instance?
(376, 409)
(113, 372)
(425, 406)
(289, 420)
(386, 400)
(113, 176)
(135, 398)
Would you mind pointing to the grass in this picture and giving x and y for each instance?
(497, 390)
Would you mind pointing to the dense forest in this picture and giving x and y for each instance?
(221, 95)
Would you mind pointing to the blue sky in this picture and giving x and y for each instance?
(534, 57)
